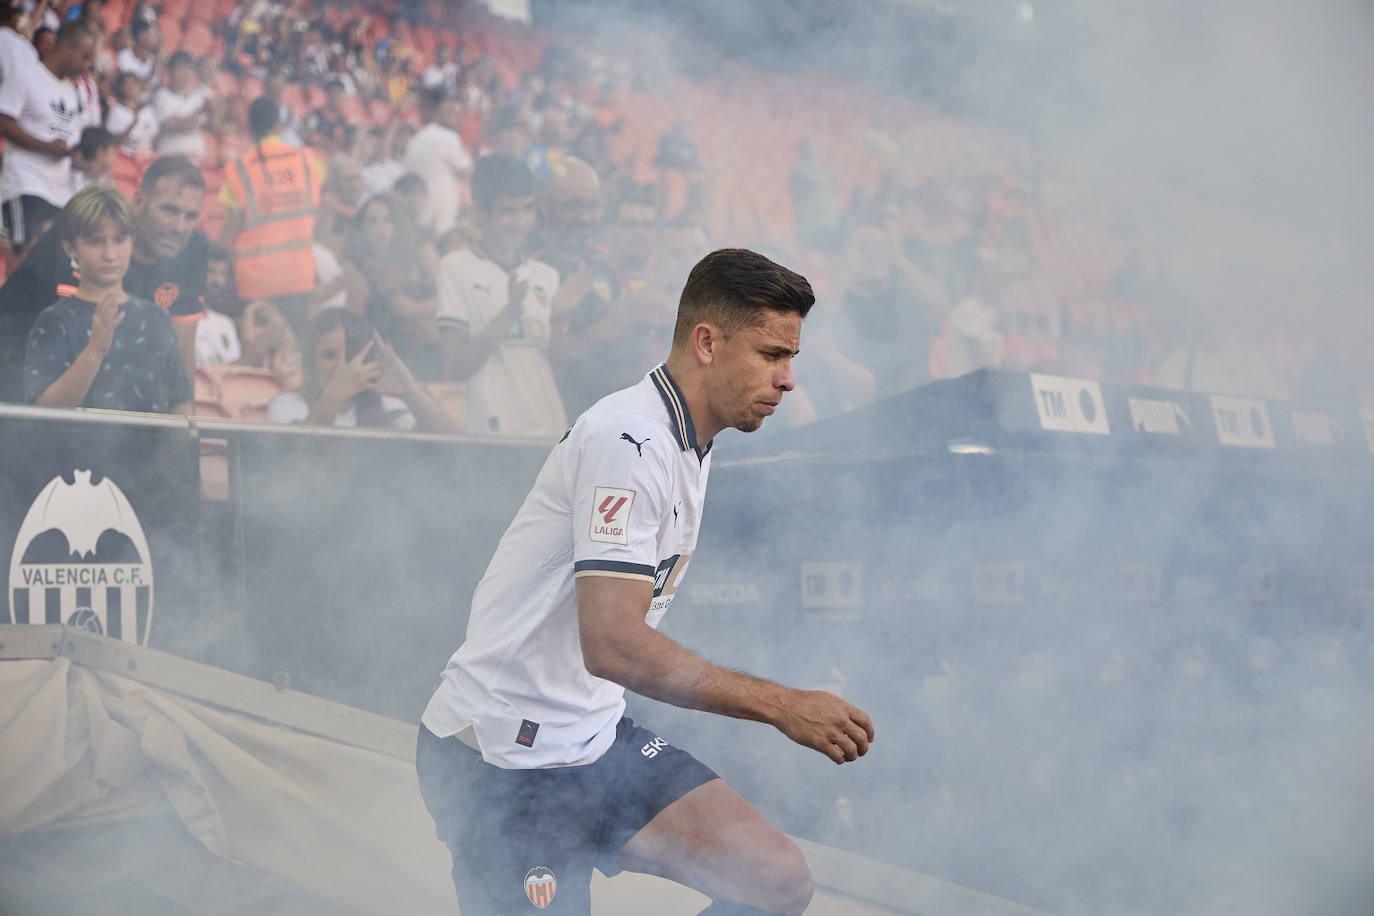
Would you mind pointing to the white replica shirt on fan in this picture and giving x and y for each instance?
(17, 53)
(513, 393)
(621, 495)
(138, 128)
(171, 106)
(46, 108)
(437, 155)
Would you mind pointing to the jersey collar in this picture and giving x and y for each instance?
(679, 417)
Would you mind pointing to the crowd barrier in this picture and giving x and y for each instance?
(341, 562)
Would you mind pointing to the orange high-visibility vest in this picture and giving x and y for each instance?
(278, 190)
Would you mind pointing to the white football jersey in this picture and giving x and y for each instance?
(620, 495)
(513, 393)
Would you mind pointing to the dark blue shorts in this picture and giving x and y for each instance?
(546, 827)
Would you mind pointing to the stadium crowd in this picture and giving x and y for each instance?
(506, 217)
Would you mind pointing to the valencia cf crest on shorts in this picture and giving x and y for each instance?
(540, 886)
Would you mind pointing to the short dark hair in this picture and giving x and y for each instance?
(178, 58)
(263, 116)
(497, 175)
(95, 139)
(733, 288)
(214, 251)
(170, 166)
(76, 30)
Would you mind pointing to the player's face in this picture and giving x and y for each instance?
(103, 255)
(167, 216)
(751, 369)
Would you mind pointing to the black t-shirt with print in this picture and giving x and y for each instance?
(142, 371)
(174, 284)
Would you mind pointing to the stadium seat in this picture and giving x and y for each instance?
(207, 387)
(211, 409)
(197, 40)
(245, 392)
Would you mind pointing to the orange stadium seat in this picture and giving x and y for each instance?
(198, 40)
(207, 387)
(244, 392)
(171, 32)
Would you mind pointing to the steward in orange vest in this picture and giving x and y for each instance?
(272, 195)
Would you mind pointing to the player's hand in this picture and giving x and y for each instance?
(826, 723)
(59, 149)
(108, 315)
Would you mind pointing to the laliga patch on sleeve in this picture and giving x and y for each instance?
(611, 515)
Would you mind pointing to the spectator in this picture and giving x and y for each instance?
(43, 41)
(133, 123)
(570, 210)
(167, 268)
(273, 87)
(437, 154)
(326, 128)
(94, 157)
(442, 74)
(102, 347)
(495, 312)
(817, 203)
(16, 51)
(217, 336)
(38, 110)
(338, 70)
(678, 164)
(600, 347)
(141, 57)
(410, 190)
(270, 225)
(183, 110)
(887, 315)
(341, 197)
(506, 133)
(354, 379)
(269, 343)
(380, 167)
(391, 273)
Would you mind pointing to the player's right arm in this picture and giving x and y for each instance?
(619, 646)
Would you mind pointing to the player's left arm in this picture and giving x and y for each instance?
(619, 646)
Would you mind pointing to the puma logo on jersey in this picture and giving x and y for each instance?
(639, 446)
